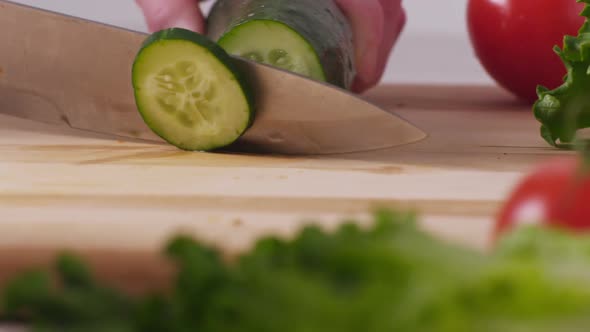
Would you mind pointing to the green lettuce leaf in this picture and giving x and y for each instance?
(566, 109)
(390, 276)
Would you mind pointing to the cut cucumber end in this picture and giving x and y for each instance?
(273, 43)
(189, 93)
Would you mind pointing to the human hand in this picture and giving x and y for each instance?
(376, 25)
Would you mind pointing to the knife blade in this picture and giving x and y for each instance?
(69, 71)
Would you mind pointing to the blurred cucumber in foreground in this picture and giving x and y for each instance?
(388, 277)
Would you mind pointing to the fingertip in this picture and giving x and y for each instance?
(390, 38)
(363, 83)
(395, 21)
(163, 14)
(367, 22)
(358, 86)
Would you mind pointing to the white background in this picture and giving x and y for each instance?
(434, 47)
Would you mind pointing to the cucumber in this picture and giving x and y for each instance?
(189, 92)
(309, 37)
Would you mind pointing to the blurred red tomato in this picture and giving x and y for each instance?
(555, 194)
(514, 40)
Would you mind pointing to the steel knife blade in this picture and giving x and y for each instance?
(74, 72)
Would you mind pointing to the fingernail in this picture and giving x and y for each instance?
(358, 85)
(182, 22)
(186, 20)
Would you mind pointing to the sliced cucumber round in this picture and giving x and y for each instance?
(188, 91)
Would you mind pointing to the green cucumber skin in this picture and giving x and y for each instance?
(320, 22)
(213, 48)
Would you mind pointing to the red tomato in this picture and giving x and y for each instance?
(514, 39)
(555, 194)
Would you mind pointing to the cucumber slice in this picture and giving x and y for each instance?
(310, 37)
(188, 91)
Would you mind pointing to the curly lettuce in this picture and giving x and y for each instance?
(391, 276)
(566, 109)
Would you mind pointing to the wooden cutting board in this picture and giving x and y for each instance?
(117, 202)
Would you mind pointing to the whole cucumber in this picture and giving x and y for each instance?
(312, 38)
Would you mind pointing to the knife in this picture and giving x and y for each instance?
(73, 72)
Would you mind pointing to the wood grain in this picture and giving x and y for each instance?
(117, 202)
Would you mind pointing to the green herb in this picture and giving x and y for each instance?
(566, 109)
(73, 302)
(390, 276)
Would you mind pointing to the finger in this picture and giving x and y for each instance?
(367, 21)
(164, 14)
(395, 20)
